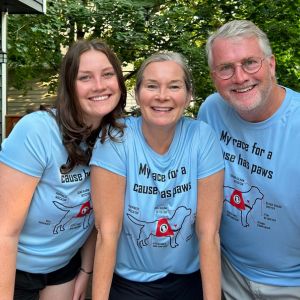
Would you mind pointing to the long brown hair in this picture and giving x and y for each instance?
(68, 111)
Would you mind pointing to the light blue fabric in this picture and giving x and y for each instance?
(261, 217)
(158, 235)
(60, 217)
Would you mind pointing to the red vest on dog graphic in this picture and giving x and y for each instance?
(237, 200)
(163, 228)
(84, 209)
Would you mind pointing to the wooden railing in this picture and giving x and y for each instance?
(11, 121)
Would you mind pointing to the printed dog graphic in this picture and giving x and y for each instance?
(243, 201)
(163, 227)
(82, 210)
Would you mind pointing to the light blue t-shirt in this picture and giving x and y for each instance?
(158, 235)
(261, 216)
(60, 217)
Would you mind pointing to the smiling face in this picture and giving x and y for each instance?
(162, 95)
(97, 87)
(249, 94)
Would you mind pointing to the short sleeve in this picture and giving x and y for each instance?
(210, 156)
(110, 155)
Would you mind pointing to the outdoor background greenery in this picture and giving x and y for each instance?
(137, 28)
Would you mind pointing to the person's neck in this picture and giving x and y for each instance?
(158, 138)
(261, 114)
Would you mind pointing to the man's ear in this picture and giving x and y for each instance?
(272, 64)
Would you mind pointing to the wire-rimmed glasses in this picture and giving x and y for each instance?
(249, 65)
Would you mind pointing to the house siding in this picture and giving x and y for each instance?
(20, 103)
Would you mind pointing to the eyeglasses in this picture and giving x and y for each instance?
(249, 65)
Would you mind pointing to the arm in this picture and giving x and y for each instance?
(108, 190)
(17, 189)
(87, 261)
(209, 210)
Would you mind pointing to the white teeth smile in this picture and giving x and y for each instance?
(162, 108)
(244, 90)
(99, 98)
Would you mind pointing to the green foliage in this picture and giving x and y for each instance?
(137, 28)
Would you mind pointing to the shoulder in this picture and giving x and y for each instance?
(128, 122)
(120, 139)
(214, 108)
(28, 148)
(131, 121)
(213, 102)
(213, 99)
(195, 123)
(291, 102)
(132, 127)
(197, 127)
(38, 120)
(35, 130)
(293, 94)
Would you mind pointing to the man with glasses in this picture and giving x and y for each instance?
(258, 124)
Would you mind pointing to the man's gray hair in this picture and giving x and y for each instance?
(237, 29)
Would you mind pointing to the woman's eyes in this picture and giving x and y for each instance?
(151, 86)
(108, 74)
(84, 77)
(171, 87)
